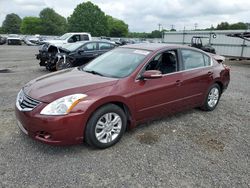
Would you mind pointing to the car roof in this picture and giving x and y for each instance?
(90, 41)
(155, 46)
(79, 33)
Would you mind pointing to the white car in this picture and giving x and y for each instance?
(14, 39)
(69, 38)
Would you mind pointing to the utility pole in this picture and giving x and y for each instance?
(172, 27)
(195, 26)
(159, 26)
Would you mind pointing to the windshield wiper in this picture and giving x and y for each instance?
(93, 72)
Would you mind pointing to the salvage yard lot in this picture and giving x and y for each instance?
(190, 149)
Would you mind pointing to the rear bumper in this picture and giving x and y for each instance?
(53, 130)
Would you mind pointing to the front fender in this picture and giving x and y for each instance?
(89, 106)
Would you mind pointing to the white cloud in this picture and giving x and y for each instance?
(144, 15)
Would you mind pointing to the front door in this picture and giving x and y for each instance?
(89, 52)
(161, 96)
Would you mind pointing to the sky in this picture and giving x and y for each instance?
(145, 15)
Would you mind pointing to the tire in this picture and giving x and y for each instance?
(50, 67)
(212, 98)
(101, 134)
(61, 65)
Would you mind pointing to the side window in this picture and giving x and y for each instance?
(192, 59)
(207, 60)
(84, 37)
(165, 62)
(75, 38)
(105, 46)
(90, 46)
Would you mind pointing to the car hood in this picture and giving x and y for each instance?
(13, 38)
(57, 43)
(66, 82)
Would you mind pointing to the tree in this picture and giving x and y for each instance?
(238, 26)
(52, 23)
(138, 35)
(155, 34)
(88, 17)
(12, 23)
(223, 26)
(116, 27)
(31, 25)
(234, 26)
(1, 30)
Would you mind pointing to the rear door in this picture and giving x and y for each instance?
(197, 76)
(104, 47)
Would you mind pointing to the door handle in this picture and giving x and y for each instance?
(178, 82)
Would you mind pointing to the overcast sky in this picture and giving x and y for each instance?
(144, 15)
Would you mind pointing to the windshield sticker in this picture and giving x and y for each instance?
(142, 52)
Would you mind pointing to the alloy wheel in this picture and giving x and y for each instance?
(108, 127)
(213, 97)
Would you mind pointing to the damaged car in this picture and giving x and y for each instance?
(81, 53)
(46, 55)
(72, 55)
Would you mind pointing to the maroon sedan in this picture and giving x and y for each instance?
(118, 90)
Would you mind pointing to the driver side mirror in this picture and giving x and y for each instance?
(80, 51)
(151, 74)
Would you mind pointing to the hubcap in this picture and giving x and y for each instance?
(108, 127)
(213, 97)
(62, 64)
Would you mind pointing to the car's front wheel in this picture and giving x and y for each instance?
(106, 126)
(61, 64)
(212, 98)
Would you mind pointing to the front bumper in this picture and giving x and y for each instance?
(14, 42)
(53, 130)
(43, 57)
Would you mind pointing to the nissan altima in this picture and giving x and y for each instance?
(117, 91)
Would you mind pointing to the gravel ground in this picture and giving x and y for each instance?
(190, 149)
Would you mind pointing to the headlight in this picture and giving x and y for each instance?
(62, 105)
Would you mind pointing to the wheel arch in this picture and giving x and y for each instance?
(220, 84)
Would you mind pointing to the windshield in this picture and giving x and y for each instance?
(72, 46)
(65, 36)
(117, 63)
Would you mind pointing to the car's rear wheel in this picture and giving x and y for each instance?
(61, 64)
(106, 126)
(212, 98)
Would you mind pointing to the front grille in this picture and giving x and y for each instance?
(25, 102)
